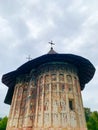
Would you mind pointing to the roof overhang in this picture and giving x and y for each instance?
(85, 68)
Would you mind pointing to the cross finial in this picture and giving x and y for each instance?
(51, 42)
(28, 58)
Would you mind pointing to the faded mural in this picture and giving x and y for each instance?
(49, 100)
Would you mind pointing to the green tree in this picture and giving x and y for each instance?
(0, 118)
(92, 123)
(3, 123)
(91, 119)
(87, 113)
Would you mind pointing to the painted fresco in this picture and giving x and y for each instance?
(51, 101)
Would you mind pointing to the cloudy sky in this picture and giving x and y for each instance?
(26, 27)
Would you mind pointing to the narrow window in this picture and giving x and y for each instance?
(71, 104)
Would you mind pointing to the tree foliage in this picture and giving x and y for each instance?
(91, 119)
(3, 123)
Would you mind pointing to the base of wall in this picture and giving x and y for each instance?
(46, 129)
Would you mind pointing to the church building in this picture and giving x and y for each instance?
(45, 93)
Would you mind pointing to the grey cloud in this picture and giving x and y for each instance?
(64, 22)
(9, 8)
(19, 27)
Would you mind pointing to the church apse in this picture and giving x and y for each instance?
(47, 96)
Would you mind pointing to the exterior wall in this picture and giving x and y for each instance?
(50, 99)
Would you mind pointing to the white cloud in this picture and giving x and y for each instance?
(26, 27)
(90, 93)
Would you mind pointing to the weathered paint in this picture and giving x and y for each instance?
(49, 100)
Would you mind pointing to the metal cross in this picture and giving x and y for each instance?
(51, 42)
(28, 58)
